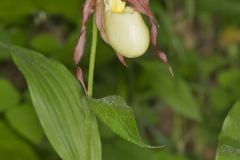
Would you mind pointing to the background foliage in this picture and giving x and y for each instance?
(186, 114)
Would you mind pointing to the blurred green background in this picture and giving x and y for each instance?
(185, 113)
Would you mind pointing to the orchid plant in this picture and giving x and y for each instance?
(122, 27)
(67, 116)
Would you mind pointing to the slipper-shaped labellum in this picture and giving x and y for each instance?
(126, 30)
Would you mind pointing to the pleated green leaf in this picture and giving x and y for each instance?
(229, 140)
(68, 123)
(119, 117)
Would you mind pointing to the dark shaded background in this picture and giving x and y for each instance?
(201, 39)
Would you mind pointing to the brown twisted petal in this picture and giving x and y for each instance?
(99, 13)
(142, 6)
(122, 60)
(163, 57)
(79, 74)
(87, 11)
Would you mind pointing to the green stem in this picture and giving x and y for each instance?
(90, 119)
(92, 59)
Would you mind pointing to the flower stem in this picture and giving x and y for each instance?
(90, 119)
(92, 59)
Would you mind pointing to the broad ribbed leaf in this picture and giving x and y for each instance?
(118, 116)
(229, 140)
(68, 123)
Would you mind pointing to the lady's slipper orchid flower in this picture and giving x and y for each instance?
(122, 27)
